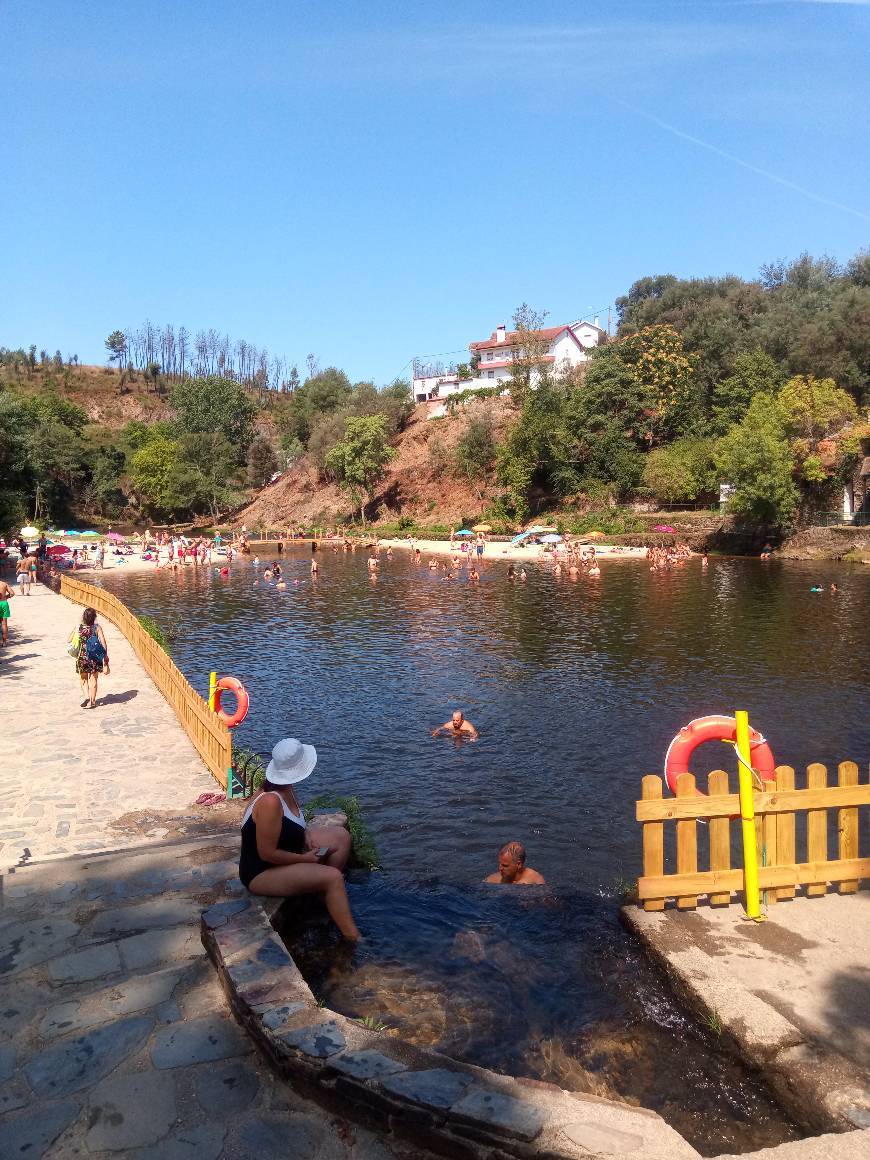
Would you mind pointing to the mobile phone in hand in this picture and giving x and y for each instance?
(322, 851)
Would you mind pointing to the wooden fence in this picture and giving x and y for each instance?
(779, 872)
(205, 729)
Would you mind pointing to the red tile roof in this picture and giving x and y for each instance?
(511, 336)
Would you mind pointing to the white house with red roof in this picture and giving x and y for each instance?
(564, 346)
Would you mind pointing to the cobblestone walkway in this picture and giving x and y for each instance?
(68, 773)
(115, 1039)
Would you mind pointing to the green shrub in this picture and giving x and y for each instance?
(365, 851)
(154, 631)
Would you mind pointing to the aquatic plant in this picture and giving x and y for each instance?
(154, 631)
(712, 1020)
(365, 851)
(371, 1023)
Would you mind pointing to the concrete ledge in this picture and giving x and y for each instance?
(458, 1110)
(714, 963)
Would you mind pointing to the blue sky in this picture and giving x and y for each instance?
(375, 181)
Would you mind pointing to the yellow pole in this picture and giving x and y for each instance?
(747, 816)
(212, 684)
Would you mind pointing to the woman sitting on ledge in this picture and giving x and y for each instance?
(280, 855)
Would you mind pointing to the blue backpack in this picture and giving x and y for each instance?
(94, 651)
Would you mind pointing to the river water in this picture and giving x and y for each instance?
(576, 688)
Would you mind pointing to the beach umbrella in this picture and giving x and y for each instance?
(116, 537)
(28, 531)
(551, 539)
(482, 528)
(58, 550)
(465, 532)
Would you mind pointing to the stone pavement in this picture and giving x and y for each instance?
(68, 774)
(115, 1040)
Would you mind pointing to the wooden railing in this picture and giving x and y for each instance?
(780, 873)
(208, 733)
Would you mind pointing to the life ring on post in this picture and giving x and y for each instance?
(714, 728)
(234, 686)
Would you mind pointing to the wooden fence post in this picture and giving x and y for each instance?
(653, 839)
(785, 845)
(687, 841)
(720, 836)
(847, 823)
(817, 827)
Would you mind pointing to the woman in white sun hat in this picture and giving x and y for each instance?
(280, 855)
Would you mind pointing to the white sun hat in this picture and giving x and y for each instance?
(291, 762)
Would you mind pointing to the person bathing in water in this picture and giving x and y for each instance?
(512, 868)
(457, 726)
(281, 856)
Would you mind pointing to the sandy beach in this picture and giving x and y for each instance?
(496, 550)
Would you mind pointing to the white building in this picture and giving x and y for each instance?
(564, 347)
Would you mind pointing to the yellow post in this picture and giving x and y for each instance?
(747, 816)
(212, 684)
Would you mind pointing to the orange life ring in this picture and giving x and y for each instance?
(714, 728)
(234, 686)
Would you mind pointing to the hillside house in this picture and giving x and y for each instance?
(564, 347)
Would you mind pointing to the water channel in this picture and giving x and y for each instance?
(577, 688)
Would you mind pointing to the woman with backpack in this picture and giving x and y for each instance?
(92, 657)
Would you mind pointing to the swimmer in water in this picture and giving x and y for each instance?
(473, 573)
(523, 574)
(594, 571)
(512, 572)
(267, 575)
(281, 584)
(512, 868)
(433, 565)
(457, 726)
(373, 562)
(313, 567)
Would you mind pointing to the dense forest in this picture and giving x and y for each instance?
(763, 384)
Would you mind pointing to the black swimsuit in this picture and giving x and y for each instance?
(291, 839)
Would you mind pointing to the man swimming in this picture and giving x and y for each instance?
(457, 726)
(512, 868)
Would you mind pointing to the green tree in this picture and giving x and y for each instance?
(151, 470)
(682, 471)
(527, 352)
(755, 372)
(116, 345)
(475, 451)
(215, 404)
(756, 458)
(814, 408)
(262, 461)
(359, 461)
(322, 393)
(204, 475)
